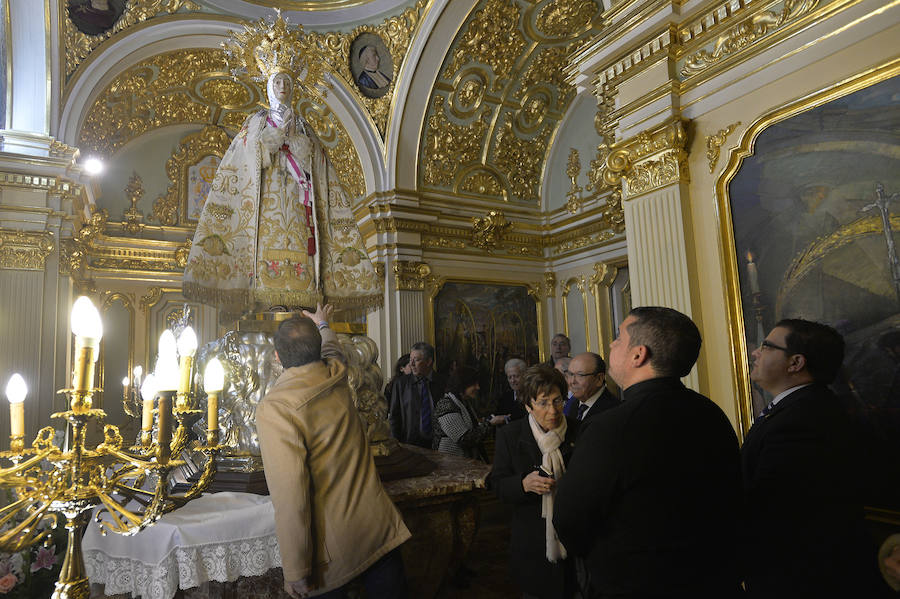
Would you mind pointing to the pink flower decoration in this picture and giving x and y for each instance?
(45, 558)
(8, 582)
(298, 269)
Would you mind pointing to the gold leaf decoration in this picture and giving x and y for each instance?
(714, 142)
(79, 45)
(488, 231)
(482, 182)
(492, 38)
(548, 69)
(449, 145)
(25, 250)
(520, 160)
(562, 17)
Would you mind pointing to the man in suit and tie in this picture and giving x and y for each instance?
(805, 533)
(413, 397)
(652, 493)
(509, 404)
(587, 384)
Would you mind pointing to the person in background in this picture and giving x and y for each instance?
(509, 405)
(457, 428)
(530, 458)
(562, 365)
(652, 495)
(560, 346)
(400, 368)
(587, 382)
(412, 398)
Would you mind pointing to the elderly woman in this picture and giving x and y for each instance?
(531, 456)
(457, 430)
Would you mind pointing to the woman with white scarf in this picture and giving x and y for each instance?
(530, 457)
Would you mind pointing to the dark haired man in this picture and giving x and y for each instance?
(651, 496)
(413, 397)
(333, 519)
(560, 346)
(805, 534)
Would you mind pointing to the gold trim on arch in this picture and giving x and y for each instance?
(434, 285)
(736, 156)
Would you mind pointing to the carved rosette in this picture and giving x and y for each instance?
(25, 250)
(410, 275)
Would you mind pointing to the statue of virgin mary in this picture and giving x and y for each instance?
(277, 228)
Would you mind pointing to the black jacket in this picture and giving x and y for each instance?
(805, 532)
(515, 456)
(405, 408)
(606, 401)
(652, 496)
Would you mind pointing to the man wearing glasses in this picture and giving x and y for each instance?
(587, 383)
(801, 464)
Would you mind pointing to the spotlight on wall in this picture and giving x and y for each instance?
(93, 165)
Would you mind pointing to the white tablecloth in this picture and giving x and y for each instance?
(219, 536)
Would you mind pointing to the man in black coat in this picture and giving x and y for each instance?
(805, 533)
(587, 383)
(652, 494)
(413, 397)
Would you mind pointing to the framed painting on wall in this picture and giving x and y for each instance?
(483, 325)
(811, 200)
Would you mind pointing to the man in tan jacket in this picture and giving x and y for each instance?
(333, 518)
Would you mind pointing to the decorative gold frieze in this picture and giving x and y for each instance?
(562, 17)
(410, 275)
(134, 191)
(492, 37)
(430, 242)
(489, 231)
(448, 145)
(745, 34)
(573, 170)
(25, 250)
(520, 160)
(172, 209)
(79, 45)
(714, 142)
(60, 150)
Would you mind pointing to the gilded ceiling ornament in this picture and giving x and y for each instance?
(746, 33)
(171, 209)
(25, 250)
(79, 45)
(714, 142)
(561, 17)
(573, 170)
(469, 94)
(410, 275)
(449, 146)
(492, 38)
(483, 182)
(489, 231)
(548, 68)
(161, 91)
(134, 191)
(520, 160)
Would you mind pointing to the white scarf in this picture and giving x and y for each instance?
(551, 459)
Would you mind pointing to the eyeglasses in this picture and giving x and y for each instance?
(769, 345)
(557, 403)
(583, 375)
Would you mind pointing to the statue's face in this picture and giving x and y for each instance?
(282, 87)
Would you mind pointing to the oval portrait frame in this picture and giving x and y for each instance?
(90, 23)
(359, 49)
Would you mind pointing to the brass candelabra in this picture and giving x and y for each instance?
(125, 486)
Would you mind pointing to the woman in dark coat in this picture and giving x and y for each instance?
(530, 457)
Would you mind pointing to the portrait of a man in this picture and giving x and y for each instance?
(371, 65)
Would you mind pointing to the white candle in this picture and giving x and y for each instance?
(752, 274)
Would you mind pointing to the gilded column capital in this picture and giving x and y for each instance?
(650, 160)
(25, 250)
(604, 275)
(411, 275)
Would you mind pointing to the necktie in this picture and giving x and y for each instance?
(582, 408)
(425, 411)
(766, 410)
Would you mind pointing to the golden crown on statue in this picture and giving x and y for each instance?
(272, 46)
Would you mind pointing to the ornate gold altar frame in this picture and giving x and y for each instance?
(535, 291)
(737, 333)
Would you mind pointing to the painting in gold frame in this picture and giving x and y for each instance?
(483, 325)
(803, 236)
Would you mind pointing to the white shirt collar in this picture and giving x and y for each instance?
(785, 393)
(592, 399)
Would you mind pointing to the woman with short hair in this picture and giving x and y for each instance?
(530, 457)
(457, 429)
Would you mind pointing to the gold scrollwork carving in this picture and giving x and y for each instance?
(714, 142)
(410, 275)
(134, 191)
(449, 145)
(151, 298)
(745, 34)
(573, 169)
(79, 45)
(483, 182)
(549, 69)
(492, 38)
(488, 231)
(379, 269)
(171, 208)
(550, 284)
(182, 252)
(561, 17)
(442, 243)
(76, 251)
(604, 275)
(520, 160)
(654, 173)
(25, 250)
(650, 160)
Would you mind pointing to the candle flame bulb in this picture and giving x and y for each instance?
(213, 376)
(187, 342)
(16, 389)
(167, 345)
(86, 324)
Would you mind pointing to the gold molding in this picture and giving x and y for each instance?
(737, 333)
(410, 275)
(25, 250)
(489, 231)
(550, 284)
(652, 159)
(601, 281)
(134, 191)
(573, 170)
(714, 142)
